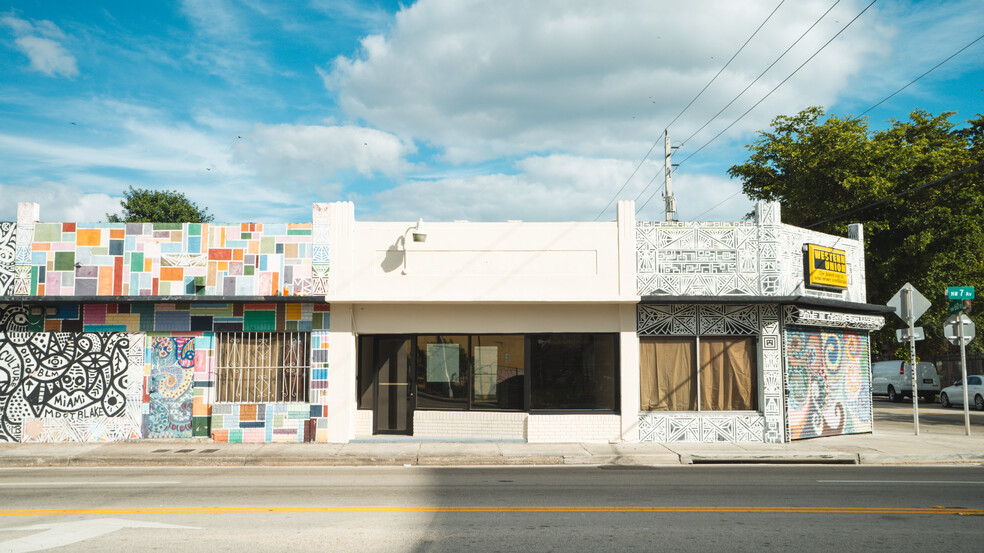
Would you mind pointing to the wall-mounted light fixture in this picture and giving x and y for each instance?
(419, 235)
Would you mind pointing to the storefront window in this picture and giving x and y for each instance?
(442, 372)
(573, 371)
(709, 374)
(504, 372)
(499, 373)
(668, 378)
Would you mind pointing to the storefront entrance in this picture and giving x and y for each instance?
(392, 407)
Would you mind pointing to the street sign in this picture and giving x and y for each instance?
(902, 334)
(960, 293)
(959, 306)
(908, 303)
(951, 331)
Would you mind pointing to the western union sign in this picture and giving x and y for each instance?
(825, 267)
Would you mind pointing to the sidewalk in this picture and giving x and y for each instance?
(880, 448)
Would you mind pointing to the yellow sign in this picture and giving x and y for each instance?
(826, 267)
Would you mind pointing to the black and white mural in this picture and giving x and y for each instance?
(62, 386)
(8, 244)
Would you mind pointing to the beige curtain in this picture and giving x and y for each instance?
(667, 374)
(727, 374)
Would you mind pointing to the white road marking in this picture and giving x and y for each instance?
(43, 484)
(897, 482)
(60, 534)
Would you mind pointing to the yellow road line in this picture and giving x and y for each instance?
(495, 509)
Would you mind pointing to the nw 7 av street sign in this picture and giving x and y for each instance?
(960, 293)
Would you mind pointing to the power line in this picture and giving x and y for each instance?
(634, 171)
(921, 76)
(727, 64)
(718, 135)
(942, 179)
(717, 205)
(733, 100)
(865, 112)
(651, 196)
(643, 191)
(651, 148)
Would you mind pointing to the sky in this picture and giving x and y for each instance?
(445, 109)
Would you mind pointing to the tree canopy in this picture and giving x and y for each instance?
(158, 206)
(819, 168)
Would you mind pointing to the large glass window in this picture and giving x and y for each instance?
(573, 371)
(714, 373)
(505, 371)
(499, 373)
(443, 367)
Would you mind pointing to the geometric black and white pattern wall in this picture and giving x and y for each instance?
(8, 250)
(699, 259)
(746, 258)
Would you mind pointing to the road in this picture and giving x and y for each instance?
(716, 508)
(933, 418)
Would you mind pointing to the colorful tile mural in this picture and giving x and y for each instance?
(164, 259)
(264, 422)
(175, 372)
(172, 372)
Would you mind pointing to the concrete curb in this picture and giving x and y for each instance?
(770, 458)
(920, 458)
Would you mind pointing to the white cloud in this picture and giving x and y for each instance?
(58, 201)
(555, 187)
(483, 79)
(40, 43)
(558, 188)
(313, 153)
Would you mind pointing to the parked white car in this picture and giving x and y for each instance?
(894, 379)
(953, 395)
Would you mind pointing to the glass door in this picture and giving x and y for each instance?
(392, 409)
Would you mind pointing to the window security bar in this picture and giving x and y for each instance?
(255, 367)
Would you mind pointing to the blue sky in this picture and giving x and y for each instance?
(441, 109)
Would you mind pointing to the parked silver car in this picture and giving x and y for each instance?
(953, 395)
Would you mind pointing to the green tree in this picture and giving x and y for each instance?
(820, 167)
(141, 205)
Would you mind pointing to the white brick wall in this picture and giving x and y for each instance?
(363, 423)
(470, 424)
(574, 428)
(480, 425)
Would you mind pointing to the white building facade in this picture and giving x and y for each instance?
(334, 330)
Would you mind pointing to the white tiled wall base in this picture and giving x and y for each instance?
(477, 425)
(470, 425)
(686, 427)
(574, 428)
(363, 423)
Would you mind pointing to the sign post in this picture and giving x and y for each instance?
(963, 295)
(909, 305)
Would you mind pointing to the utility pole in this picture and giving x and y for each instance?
(668, 185)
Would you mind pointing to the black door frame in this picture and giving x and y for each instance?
(410, 378)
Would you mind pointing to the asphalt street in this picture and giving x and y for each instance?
(933, 417)
(417, 509)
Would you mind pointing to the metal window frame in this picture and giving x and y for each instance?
(262, 367)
